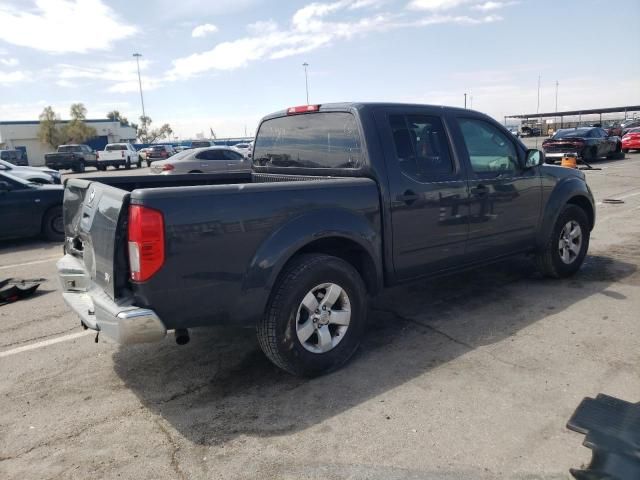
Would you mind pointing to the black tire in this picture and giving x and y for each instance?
(195, 171)
(618, 154)
(79, 167)
(53, 225)
(625, 150)
(277, 329)
(127, 163)
(548, 259)
(102, 168)
(117, 166)
(148, 163)
(139, 164)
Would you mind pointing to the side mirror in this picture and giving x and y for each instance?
(5, 187)
(534, 158)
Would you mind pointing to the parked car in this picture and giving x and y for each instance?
(244, 148)
(31, 174)
(343, 200)
(202, 160)
(201, 143)
(515, 131)
(613, 129)
(629, 124)
(118, 154)
(17, 157)
(71, 157)
(631, 140)
(588, 143)
(158, 152)
(30, 209)
(529, 131)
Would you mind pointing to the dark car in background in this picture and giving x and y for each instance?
(158, 152)
(629, 124)
(74, 157)
(29, 209)
(588, 143)
(17, 157)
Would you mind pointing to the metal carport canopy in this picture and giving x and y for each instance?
(592, 111)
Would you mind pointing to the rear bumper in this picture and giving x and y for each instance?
(121, 321)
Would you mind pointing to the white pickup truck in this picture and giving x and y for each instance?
(116, 154)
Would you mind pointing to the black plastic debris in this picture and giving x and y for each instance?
(12, 290)
(612, 429)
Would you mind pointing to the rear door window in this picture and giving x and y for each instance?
(421, 146)
(315, 140)
(211, 155)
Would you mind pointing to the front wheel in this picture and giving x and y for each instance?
(567, 246)
(139, 164)
(53, 225)
(316, 316)
(79, 167)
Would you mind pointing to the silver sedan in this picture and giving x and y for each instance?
(202, 160)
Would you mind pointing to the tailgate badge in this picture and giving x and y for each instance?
(107, 277)
(92, 195)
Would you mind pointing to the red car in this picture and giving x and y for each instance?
(631, 140)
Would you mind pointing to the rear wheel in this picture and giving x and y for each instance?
(195, 171)
(116, 166)
(139, 164)
(127, 163)
(567, 246)
(53, 225)
(79, 167)
(102, 168)
(41, 181)
(316, 316)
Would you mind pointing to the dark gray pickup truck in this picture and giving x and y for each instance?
(73, 157)
(343, 200)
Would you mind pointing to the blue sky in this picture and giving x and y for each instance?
(225, 63)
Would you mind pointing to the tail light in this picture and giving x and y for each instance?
(168, 167)
(303, 109)
(146, 242)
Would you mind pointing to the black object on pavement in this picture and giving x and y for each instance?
(612, 429)
(13, 290)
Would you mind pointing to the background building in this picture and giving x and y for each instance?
(23, 135)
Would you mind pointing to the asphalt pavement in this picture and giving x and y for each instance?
(471, 376)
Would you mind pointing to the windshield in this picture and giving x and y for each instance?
(113, 148)
(317, 140)
(69, 148)
(574, 132)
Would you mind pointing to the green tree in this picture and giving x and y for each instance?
(49, 132)
(77, 131)
(116, 116)
(147, 135)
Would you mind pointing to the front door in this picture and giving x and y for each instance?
(428, 191)
(505, 197)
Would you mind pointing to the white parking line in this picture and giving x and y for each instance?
(35, 262)
(46, 343)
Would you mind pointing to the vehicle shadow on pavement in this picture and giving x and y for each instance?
(221, 385)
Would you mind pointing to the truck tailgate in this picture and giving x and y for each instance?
(93, 213)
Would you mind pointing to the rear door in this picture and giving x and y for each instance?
(93, 230)
(211, 161)
(20, 209)
(505, 197)
(428, 191)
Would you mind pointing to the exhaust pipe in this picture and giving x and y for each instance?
(182, 336)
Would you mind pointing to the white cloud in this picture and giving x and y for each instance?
(9, 62)
(11, 78)
(122, 76)
(434, 5)
(311, 28)
(63, 26)
(203, 30)
(490, 5)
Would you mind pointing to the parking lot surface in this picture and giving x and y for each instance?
(470, 376)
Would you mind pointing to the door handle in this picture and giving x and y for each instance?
(480, 191)
(408, 197)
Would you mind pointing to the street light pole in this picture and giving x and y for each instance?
(137, 55)
(306, 80)
(465, 100)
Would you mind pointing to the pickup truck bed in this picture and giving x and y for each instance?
(343, 200)
(248, 243)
